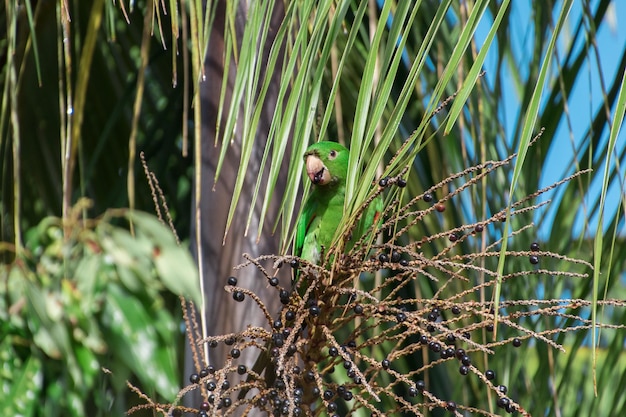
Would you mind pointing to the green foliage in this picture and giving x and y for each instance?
(83, 309)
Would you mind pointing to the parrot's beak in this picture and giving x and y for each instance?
(316, 170)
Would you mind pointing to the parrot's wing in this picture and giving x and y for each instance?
(304, 224)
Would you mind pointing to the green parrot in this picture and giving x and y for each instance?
(327, 167)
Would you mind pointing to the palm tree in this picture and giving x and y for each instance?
(401, 83)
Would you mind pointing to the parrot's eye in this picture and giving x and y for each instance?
(332, 155)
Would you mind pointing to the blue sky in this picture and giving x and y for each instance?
(585, 98)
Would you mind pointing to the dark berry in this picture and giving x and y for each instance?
(278, 339)
(194, 378)
(333, 351)
(291, 350)
(533, 259)
(273, 281)
(213, 344)
(430, 328)
(490, 375)
(479, 228)
(341, 390)
(358, 309)
(450, 338)
(383, 181)
(403, 262)
(424, 339)
(400, 317)
(357, 379)
(466, 360)
(489, 327)
(204, 373)
(293, 263)
(347, 364)
(314, 311)
(279, 384)
(315, 392)
(211, 386)
(205, 406)
(298, 392)
(383, 258)
(503, 402)
(434, 346)
(211, 399)
(449, 352)
(412, 392)
(241, 369)
(451, 406)
(456, 310)
(502, 388)
(263, 401)
(227, 402)
(332, 407)
(328, 395)
(351, 344)
(238, 296)
(232, 281)
(428, 197)
(296, 370)
(440, 208)
(464, 370)
(225, 385)
(401, 182)
(432, 316)
(385, 363)
(459, 353)
(347, 396)
(420, 385)
(275, 352)
(517, 342)
(309, 376)
(453, 237)
(290, 315)
(534, 246)
(277, 324)
(235, 353)
(395, 256)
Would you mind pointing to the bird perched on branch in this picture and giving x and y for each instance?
(321, 220)
(327, 167)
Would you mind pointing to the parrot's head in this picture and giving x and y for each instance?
(326, 163)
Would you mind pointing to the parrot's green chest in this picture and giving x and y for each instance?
(323, 225)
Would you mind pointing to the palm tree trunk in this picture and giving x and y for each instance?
(223, 315)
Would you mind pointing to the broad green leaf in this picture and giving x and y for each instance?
(129, 327)
(20, 383)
